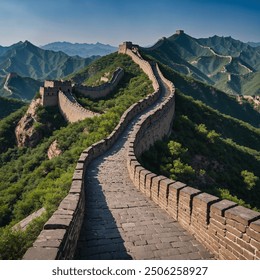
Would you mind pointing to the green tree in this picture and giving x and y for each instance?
(249, 179)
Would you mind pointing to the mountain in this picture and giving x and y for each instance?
(33, 65)
(19, 87)
(228, 64)
(27, 60)
(8, 106)
(83, 50)
(253, 44)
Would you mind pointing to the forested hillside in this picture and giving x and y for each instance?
(208, 149)
(8, 106)
(29, 180)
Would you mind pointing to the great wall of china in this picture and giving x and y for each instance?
(102, 90)
(60, 93)
(228, 231)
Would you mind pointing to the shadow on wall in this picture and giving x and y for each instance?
(99, 238)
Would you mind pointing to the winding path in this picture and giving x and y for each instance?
(120, 222)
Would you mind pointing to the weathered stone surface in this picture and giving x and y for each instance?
(120, 222)
(25, 132)
(205, 199)
(41, 254)
(220, 207)
(242, 215)
(255, 225)
(54, 150)
(57, 223)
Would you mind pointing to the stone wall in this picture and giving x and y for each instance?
(102, 90)
(49, 92)
(226, 229)
(58, 239)
(71, 110)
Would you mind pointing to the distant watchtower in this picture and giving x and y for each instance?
(123, 47)
(179, 32)
(49, 92)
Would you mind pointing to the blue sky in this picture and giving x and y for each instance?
(114, 21)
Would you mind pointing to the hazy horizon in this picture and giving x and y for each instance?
(112, 22)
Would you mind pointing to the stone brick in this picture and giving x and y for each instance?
(200, 208)
(231, 236)
(220, 207)
(234, 231)
(255, 225)
(242, 215)
(143, 174)
(240, 227)
(217, 224)
(148, 183)
(138, 169)
(80, 166)
(185, 205)
(252, 233)
(248, 255)
(57, 223)
(76, 187)
(166, 183)
(218, 218)
(155, 188)
(246, 238)
(41, 254)
(255, 244)
(163, 194)
(245, 245)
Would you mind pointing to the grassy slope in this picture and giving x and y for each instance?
(217, 153)
(29, 180)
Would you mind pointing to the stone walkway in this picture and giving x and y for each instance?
(121, 223)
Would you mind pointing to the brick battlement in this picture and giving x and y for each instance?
(228, 230)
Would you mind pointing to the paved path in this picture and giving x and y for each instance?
(121, 223)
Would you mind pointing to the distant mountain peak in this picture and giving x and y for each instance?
(227, 63)
(80, 49)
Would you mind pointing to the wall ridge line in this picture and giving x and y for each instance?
(227, 230)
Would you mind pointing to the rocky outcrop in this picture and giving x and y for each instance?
(54, 150)
(26, 132)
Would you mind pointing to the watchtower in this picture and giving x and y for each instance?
(179, 32)
(49, 92)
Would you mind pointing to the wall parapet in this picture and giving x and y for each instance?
(102, 90)
(58, 239)
(226, 229)
(71, 110)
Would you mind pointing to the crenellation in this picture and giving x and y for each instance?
(227, 230)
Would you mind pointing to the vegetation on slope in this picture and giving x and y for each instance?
(8, 106)
(211, 96)
(211, 151)
(29, 180)
(207, 60)
(37, 64)
(117, 98)
(7, 127)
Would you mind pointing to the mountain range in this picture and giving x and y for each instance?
(31, 62)
(228, 64)
(223, 62)
(83, 50)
